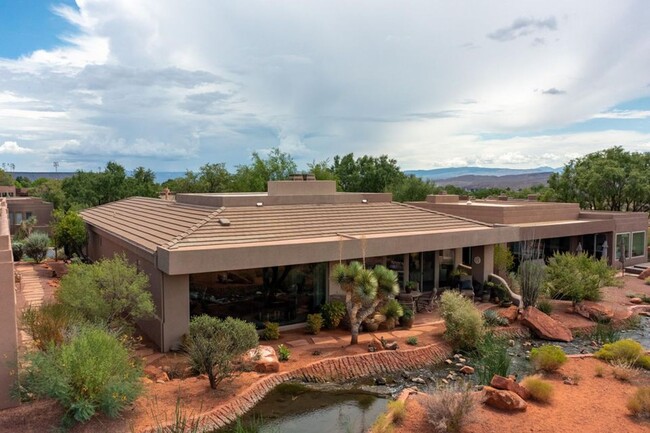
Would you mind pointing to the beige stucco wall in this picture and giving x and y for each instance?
(8, 331)
(40, 209)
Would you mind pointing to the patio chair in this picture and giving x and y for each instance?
(426, 302)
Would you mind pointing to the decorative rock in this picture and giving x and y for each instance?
(418, 380)
(503, 399)
(457, 356)
(511, 343)
(264, 359)
(509, 313)
(380, 381)
(636, 300)
(458, 364)
(509, 384)
(445, 381)
(645, 274)
(544, 326)
(594, 311)
(466, 369)
(449, 361)
(146, 380)
(463, 360)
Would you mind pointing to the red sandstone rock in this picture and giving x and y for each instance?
(504, 400)
(636, 301)
(594, 311)
(545, 327)
(508, 384)
(509, 313)
(264, 359)
(466, 369)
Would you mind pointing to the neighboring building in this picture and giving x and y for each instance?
(9, 332)
(268, 256)
(22, 208)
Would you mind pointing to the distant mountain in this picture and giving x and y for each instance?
(512, 181)
(453, 172)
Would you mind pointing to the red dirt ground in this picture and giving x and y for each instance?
(196, 396)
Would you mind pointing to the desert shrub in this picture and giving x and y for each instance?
(382, 425)
(271, 331)
(314, 323)
(213, 344)
(622, 350)
(398, 408)
(540, 390)
(36, 245)
(531, 278)
(548, 358)
(463, 321)
(393, 309)
(545, 306)
(644, 362)
(333, 312)
(624, 370)
(632, 322)
(504, 261)
(639, 403)
(109, 292)
(492, 358)
(17, 250)
(605, 333)
(647, 281)
(450, 409)
(283, 353)
(48, 324)
(183, 420)
(412, 341)
(492, 318)
(577, 277)
(90, 372)
(599, 371)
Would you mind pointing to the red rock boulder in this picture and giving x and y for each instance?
(545, 327)
(504, 400)
(509, 384)
(645, 274)
(264, 359)
(509, 313)
(594, 311)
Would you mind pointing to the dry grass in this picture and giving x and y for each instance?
(639, 403)
(398, 408)
(624, 370)
(540, 389)
(600, 371)
(450, 409)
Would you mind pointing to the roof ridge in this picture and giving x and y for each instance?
(445, 214)
(194, 228)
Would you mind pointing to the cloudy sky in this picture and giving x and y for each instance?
(173, 84)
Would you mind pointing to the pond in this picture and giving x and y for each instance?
(296, 408)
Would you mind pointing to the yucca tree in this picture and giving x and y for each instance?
(364, 290)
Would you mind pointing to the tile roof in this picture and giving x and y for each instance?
(176, 226)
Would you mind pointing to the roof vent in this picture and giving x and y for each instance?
(224, 222)
(259, 204)
(469, 202)
(364, 201)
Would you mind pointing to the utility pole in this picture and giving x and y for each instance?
(56, 166)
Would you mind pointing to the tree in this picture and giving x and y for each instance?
(49, 190)
(364, 290)
(69, 232)
(412, 188)
(612, 179)
(36, 246)
(213, 344)
(503, 260)
(5, 178)
(109, 292)
(142, 183)
(366, 173)
(252, 178)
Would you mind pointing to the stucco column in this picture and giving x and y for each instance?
(458, 256)
(482, 262)
(176, 310)
(8, 331)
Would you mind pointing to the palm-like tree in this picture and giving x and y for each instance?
(364, 290)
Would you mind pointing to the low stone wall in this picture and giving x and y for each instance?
(327, 370)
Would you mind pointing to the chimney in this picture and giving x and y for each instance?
(533, 197)
(502, 197)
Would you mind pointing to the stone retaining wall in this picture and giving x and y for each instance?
(326, 370)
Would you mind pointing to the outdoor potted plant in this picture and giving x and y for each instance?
(393, 311)
(410, 286)
(407, 318)
(370, 325)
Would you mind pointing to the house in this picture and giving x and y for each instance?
(268, 256)
(22, 207)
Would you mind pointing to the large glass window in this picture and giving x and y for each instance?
(396, 263)
(428, 271)
(446, 267)
(638, 244)
(284, 294)
(415, 268)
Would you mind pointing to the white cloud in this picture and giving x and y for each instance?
(624, 114)
(12, 148)
(172, 85)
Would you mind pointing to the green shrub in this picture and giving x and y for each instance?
(647, 281)
(540, 390)
(639, 403)
(577, 277)
(463, 321)
(283, 353)
(36, 245)
(393, 309)
(644, 362)
(213, 344)
(314, 323)
(412, 341)
(333, 312)
(492, 318)
(17, 250)
(545, 306)
(48, 324)
(271, 331)
(531, 274)
(548, 358)
(89, 372)
(492, 358)
(622, 350)
(605, 333)
(109, 292)
(450, 409)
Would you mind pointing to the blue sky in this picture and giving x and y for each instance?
(172, 85)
